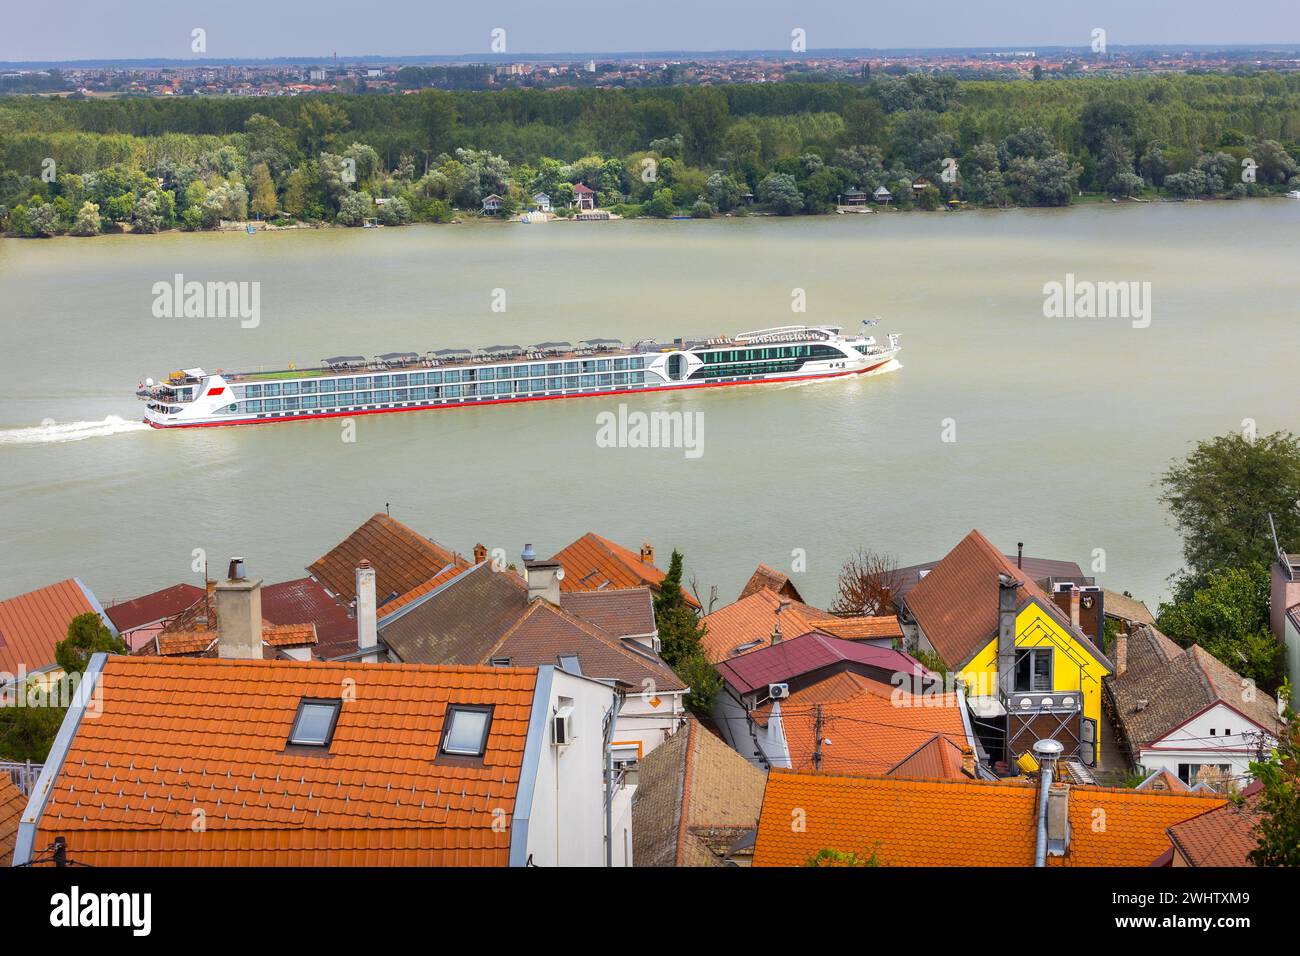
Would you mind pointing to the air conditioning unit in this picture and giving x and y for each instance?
(778, 691)
(562, 733)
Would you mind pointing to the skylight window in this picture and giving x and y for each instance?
(466, 731)
(570, 663)
(315, 722)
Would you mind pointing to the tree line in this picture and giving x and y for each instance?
(83, 166)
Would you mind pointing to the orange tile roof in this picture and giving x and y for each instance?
(939, 758)
(860, 628)
(1223, 836)
(176, 736)
(32, 624)
(402, 558)
(752, 619)
(871, 726)
(593, 563)
(12, 805)
(951, 823)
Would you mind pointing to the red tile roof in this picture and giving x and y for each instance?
(402, 559)
(860, 628)
(1223, 836)
(939, 758)
(180, 736)
(593, 563)
(307, 602)
(765, 577)
(959, 823)
(32, 624)
(807, 653)
(152, 608)
(752, 619)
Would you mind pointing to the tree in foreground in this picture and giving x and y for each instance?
(1278, 830)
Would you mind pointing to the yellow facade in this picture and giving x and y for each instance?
(1074, 669)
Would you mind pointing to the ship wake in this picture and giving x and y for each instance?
(50, 431)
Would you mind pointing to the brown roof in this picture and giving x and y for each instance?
(152, 608)
(402, 559)
(12, 805)
(1220, 837)
(132, 778)
(860, 627)
(32, 624)
(623, 612)
(593, 563)
(765, 577)
(304, 601)
(1125, 608)
(1036, 569)
(1166, 685)
(545, 632)
(956, 604)
(1163, 780)
(695, 797)
(459, 621)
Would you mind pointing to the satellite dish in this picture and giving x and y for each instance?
(559, 574)
(149, 382)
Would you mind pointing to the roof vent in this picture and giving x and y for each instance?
(529, 554)
(236, 572)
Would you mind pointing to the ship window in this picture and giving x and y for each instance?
(328, 385)
(253, 406)
(435, 378)
(272, 405)
(417, 378)
(345, 398)
(379, 381)
(399, 380)
(308, 386)
(272, 388)
(290, 388)
(253, 391)
(290, 403)
(570, 368)
(364, 398)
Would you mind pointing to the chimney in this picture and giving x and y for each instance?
(1007, 607)
(480, 553)
(1074, 608)
(239, 615)
(1046, 753)
(1121, 652)
(776, 632)
(647, 553)
(1020, 555)
(544, 579)
(968, 762)
(367, 611)
(886, 600)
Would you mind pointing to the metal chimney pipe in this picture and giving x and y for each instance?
(1046, 753)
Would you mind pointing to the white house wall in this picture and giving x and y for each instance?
(1204, 740)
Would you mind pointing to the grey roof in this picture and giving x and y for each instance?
(452, 352)
(553, 345)
(394, 356)
(459, 622)
(340, 359)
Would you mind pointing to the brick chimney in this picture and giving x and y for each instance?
(647, 553)
(1008, 604)
(968, 762)
(1121, 652)
(239, 615)
(544, 579)
(480, 553)
(367, 611)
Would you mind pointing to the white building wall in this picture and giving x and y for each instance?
(1220, 736)
(642, 723)
(566, 825)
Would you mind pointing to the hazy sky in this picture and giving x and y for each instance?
(102, 29)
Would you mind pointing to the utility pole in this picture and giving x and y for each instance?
(817, 733)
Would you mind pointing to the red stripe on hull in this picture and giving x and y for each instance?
(509, 401)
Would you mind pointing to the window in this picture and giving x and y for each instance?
(570, 663)
(1034, 669)
(466, 731)
(314, 725)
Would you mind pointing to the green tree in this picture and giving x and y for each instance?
(263, 189)
(661, 204)
(829, 857)
(28, 732)
(781, 192)
(87, 635)
(1222, 493)
(1228, 616)
(1278, 804)
(88, 222)
(681, 635)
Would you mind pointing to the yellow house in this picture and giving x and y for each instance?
(1030, 670)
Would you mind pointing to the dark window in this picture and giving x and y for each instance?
(1034, 669)
(315, 722)
(465, 731)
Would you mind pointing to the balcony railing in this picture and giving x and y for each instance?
(22, 775)
(1043, 702)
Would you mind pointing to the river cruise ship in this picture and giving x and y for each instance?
(451, 378)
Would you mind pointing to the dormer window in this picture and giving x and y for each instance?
(314, 724)
(570, 664)
(465, 732)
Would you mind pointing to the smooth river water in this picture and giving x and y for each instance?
(1062, 425)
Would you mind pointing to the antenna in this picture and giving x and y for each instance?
(1282, 559)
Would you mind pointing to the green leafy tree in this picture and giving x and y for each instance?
(1278, 804)
(87, 635)
(28, 732)
(830, 857)
(1221, 494)
(681, 635)
(781, 192)
(661, 204)
(264, 200)
(88, 221)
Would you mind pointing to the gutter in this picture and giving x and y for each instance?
(609, 777)
(533, 746)
(30, 821)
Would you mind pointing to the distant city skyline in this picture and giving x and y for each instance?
(66, 30)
